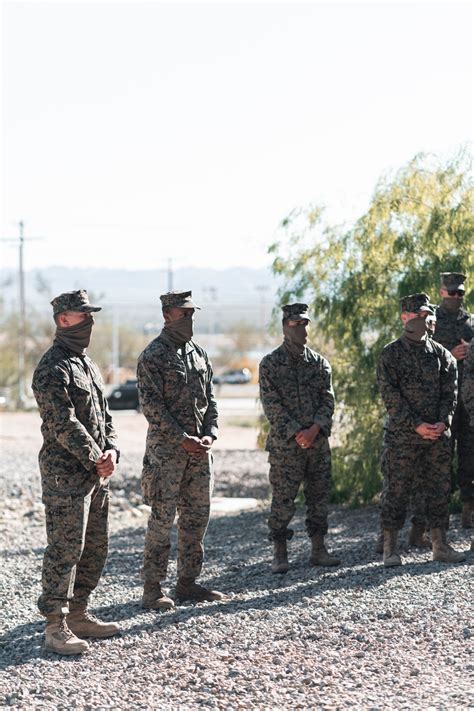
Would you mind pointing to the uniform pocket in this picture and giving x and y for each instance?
(81, 383)
(58, 511)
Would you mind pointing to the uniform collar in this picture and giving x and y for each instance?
(427, 346)
(286, 356)
(69, 353)
(462, 314)
(189, 345)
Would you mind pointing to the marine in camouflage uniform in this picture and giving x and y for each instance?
(454, 330)
(417, 380)
(79, 452)
(176, 393)
(417, 505)
(467, 390)
(298, 401)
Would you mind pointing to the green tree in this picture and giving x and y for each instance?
(419, 223)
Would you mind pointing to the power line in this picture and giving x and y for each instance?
(22, 312)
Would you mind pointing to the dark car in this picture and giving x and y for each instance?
(125, 396)
(233, 377)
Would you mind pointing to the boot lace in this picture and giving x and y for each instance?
(90, 618)
(64, 630)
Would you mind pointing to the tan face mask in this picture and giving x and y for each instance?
(452, 304)
(75, 338)
(415, 329)
(180, 331)
(295, 338)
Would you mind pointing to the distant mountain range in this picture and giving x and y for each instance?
(238, 293)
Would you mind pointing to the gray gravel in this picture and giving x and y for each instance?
(355, 636)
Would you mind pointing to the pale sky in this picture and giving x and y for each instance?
(138, 131)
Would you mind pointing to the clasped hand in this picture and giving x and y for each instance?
(105, 465)
(460, 351)
(431, 432)
(305, 438)
(197, 445)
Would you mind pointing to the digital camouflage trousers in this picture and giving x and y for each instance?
(289, 468)
(178, 483)
(77, 535)
(415, 468)
(463, 441)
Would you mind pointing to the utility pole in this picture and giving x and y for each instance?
(21, 402)
(21, 325)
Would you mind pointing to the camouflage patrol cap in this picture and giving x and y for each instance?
(73, 301)
(181, 299)
(416, 303)
(452, 280)
(295, 312)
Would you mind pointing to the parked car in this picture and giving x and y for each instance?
(125, 396)
(233, 377)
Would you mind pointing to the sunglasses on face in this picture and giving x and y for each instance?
(455, 292)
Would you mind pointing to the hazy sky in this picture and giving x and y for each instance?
(134, 132)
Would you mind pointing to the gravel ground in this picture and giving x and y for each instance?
(354, 636)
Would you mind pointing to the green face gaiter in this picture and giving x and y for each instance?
(180, 331)
(75, 338)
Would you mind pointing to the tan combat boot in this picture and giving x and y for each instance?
(60, 639)
(390, 555)
(442, 551)
(154, 598)
(379, 542)
(188, 589)
(319, 553)
(466, 515)
(417, 538)
(83, 624)
(280, 557)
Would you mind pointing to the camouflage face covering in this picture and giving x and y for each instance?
(415, 329)
(181, 331)
(452, 304)
(75, 338)
(295, 338)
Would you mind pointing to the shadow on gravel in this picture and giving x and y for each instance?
(21, 551)
(238, 558)
(23, 643)
(244, 562)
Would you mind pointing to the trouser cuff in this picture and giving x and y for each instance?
(285, 534)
